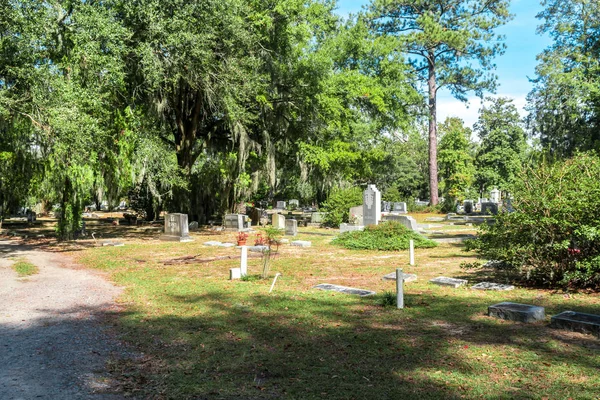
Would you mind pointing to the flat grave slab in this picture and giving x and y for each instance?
(407, 277)
(226, 245)
(212, 243)
(301, 243)
(258, 249)
(517, 312)
(344, 289)
(578, 322)
(492, 286)
(113, 244)
(445, 281)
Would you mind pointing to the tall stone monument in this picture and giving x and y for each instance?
(371, 206)
(176, 228)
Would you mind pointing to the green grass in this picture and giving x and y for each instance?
(207, 337)
(24, 268)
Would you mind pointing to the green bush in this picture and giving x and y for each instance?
(338, 205)
(387, 236)
(553, 237)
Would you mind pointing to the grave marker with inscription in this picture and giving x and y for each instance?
(176, 228)
(371, 206)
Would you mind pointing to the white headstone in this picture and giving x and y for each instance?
(495, 196)
(291, 227)
(234, 222)
(244, 261)
(278, 221)
(176, 228)
(281, 205)
(371, 206)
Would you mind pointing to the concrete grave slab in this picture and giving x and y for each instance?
(578, 322)
(344, 289)
(517, 312)
(407, 277)
(212, 243)
(301, 243)
(492, 286)
(226, 245)
(445, 281)
(258, 249)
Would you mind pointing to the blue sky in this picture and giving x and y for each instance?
(513, 67)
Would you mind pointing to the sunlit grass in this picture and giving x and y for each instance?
(24, 268)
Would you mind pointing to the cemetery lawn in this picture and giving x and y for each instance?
(204, 336)
(24, 268)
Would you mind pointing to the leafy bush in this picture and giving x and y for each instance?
(338, 205)
(553, 237)
(387, 236)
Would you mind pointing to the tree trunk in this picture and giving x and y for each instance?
(433, 168)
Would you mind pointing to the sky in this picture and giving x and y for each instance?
(513, 68)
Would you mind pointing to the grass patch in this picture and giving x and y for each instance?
(25, 268)
(387, 236)
(207, 337)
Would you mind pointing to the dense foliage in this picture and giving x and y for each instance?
(387, 236)
(338, 205)
(553, 237)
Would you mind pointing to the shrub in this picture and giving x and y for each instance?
(387, 236)
(338, 205)
(553, 237)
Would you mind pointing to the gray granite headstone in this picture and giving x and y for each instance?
(445, 281)
(386, 206)
(371, 206)
(281, 205)
(468, 206)
(176, 228)
(578, 322)
(407, 277)
(517, 312)
(193, 226)
(291, 227)
(400, 208)
(234, 222)
(492, 286)
(489, 208)
(344, 289)
(405, 220)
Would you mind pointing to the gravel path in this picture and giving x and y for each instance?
(52, 344)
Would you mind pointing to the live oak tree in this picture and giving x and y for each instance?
(451, 44)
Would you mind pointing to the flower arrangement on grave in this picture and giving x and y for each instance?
(241, 238)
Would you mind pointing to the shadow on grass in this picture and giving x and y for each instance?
(309, 347)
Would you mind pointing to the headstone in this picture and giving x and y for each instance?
(356, 215)
(351, 228)
(517, 312)
(281, 205)
(578, 322)
(489, 208)
(495, 196)
(405, 220)
(317, 217)
(193, 226)
(278, 221)
(468, 206)
(344, 289)
(244, 261)
(492, 286)
(386, 206)
(400, 208)
(407, 277)
(371, 206)
(445, 281)
(301, 243)
(235, 273)
(176, 228)
(235, 222)
(294, 203)
(291, 227)
(421, 203)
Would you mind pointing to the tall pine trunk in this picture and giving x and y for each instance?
(433, 167)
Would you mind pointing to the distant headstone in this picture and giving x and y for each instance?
(278, 221)
(489, 208)
(405, 220)
(301, 243)
(468, 206)
(495, 196)
(294, 203)
(351, 228)
(344, 289)
(235, 222)
(400, 208)
(356, 215)
(407, 277)
(371, 206)
(193, 226)
(291, 227)
(235, 273)
(578, 322)
(517, 312)
(317, 217)
(492, 286)
(386, 206)
(281, 205)
(176, 228)
(445, 281)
